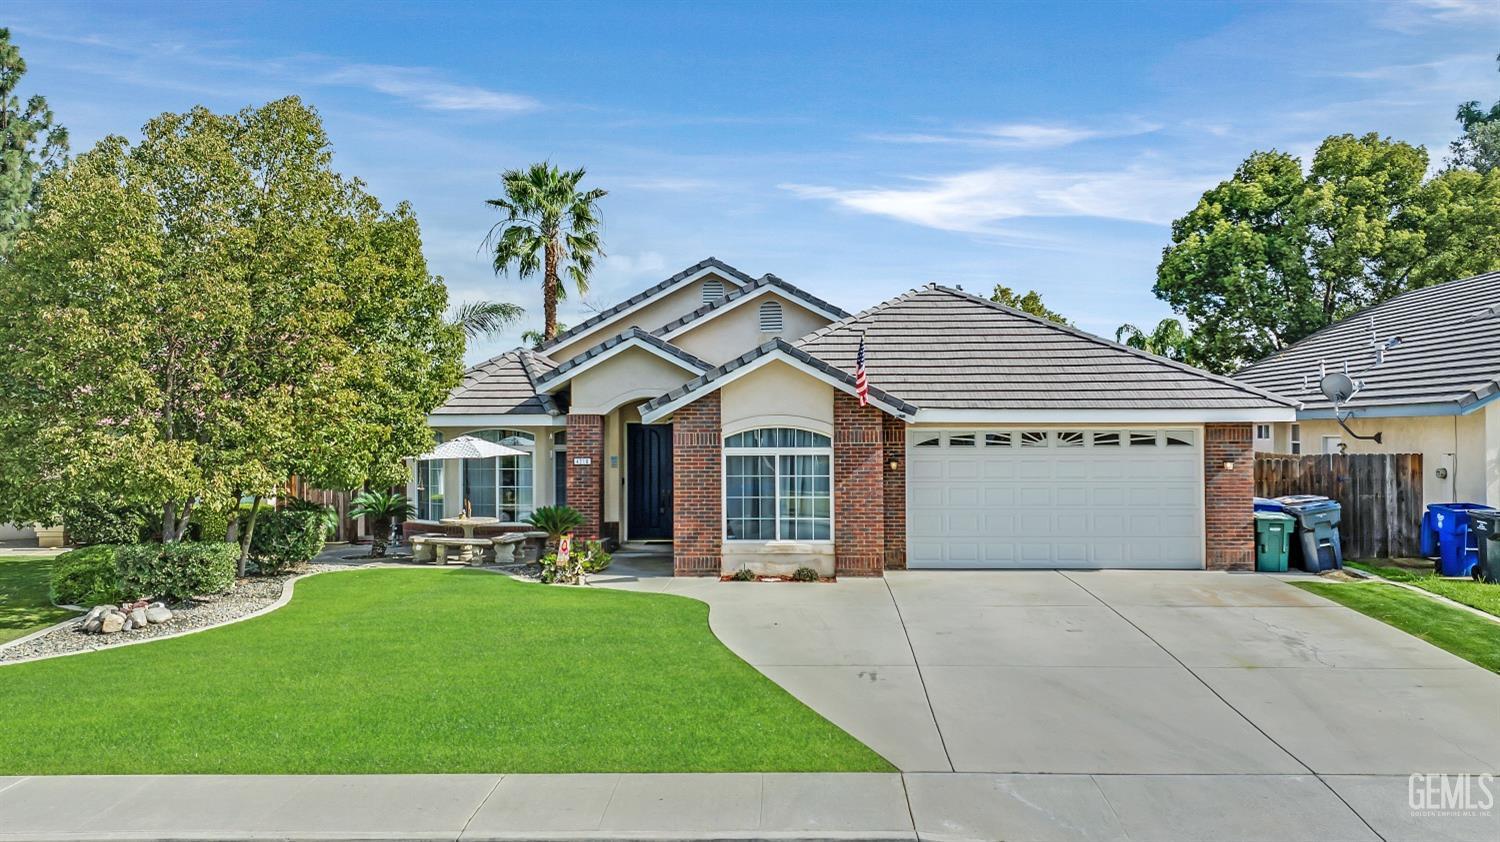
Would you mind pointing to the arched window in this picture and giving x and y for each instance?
(501, 486)
(778, 485)
(770, 317)
(713, 290)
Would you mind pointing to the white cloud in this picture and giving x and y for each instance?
(426, 89)
(1019, 135)
(1411, 15)
(978, 200)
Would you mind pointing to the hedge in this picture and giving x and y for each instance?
(287, 538)
(177, 571)
(87, 577)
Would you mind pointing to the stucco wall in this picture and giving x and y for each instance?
(1464, 445)
(631, 375)
(679, 302)
(777, 395)
(12, 532)
(731, 333)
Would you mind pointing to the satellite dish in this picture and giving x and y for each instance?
(1337, 387)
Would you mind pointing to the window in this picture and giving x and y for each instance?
(961, 440)
(929, 441)
(560, 467)
(1070, 438)
(1333, 444)
(430, 489)
(997, 439)
(500, 487)
(1263, 432)
(1296, 440)
(713, 290)
(1179, 438)
(778, 485)
(1143, 439)
(1033, 439)
(1106, 439)
(770, 317)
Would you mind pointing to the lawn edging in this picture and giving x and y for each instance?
(1374, 577)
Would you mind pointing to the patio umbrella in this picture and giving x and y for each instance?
(468, 447)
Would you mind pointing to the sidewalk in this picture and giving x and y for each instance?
(927, 806)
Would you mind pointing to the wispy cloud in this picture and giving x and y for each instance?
(1020, 135)
(977, 201)
(1411, 15)
(425, 88)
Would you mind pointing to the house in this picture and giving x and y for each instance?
(1435, 392)
(718, 411)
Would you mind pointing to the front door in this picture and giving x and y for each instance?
(648, 466)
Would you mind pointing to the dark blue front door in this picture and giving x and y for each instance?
(648, 466)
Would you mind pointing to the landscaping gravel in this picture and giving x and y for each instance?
(248, 596)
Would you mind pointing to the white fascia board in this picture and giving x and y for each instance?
(552, 386)
(1102, 416)
(459, 419)
(760, 362)
(765, 290)
(651, 299)
(1410, 410)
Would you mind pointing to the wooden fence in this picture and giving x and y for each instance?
(1381, 495)
(348, 527)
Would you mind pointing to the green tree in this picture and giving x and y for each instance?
(1030, 302)
(31, 145)
(1273, 253)
(550, 227)
(208, 312)
(1168, 339)
(1478, 148)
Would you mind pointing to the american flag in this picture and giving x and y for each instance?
(861, 380)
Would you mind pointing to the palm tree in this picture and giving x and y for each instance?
(483, 318)
(381, 508)
(1169, 339)
(550, 227)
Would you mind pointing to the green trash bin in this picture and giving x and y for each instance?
(1273, 541)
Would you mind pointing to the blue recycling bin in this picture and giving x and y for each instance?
(1451, 538)
(1317, 531)
(1266, 504)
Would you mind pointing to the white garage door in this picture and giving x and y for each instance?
(1054, 498)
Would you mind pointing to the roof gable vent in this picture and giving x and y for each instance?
(713, 290)
(770, 317)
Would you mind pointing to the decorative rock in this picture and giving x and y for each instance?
(137, 618)
(96, 612)
(92, 626)
(112, 622)
(157, 605)
(129, 624)
(158, 613)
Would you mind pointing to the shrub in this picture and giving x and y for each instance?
(590, 558)
(287, 538)
(595, 559)
(381, 509)
(744, 574)
(556, 521)
(87, 577)
(804, 574)
(177, 571)
(90, 523)
(210, 524)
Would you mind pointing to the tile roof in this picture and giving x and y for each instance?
(942, 348)
(616, 341)
(605, 315)
(1447, 354)
(503, 385)
(791, 291)
(708, 378)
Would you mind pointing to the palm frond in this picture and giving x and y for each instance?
(484, 318)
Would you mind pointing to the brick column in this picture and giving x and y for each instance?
(1228, 519)
(894, 432)
(697, 488)
(586, 482)
(858, 488)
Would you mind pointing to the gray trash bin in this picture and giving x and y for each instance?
(1317, 531)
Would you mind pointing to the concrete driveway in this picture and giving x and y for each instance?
(1125, 704)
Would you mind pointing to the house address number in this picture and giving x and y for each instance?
(583, 460)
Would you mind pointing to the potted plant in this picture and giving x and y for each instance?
(381, 508)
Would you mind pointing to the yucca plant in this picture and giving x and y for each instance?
(381, 508)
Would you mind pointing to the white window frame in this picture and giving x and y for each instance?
(531, 450)
(775, 453)
(1295, 441)
(424, 489)
(1335, 441)
(1263, 432)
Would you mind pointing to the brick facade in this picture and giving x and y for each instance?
(859, 501)
(1229, 523)
(586, 482)
(894, 432)
(697, 488)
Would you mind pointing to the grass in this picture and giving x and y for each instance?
(378, 671)
(1469, 637)
(24, 604)
(1466, 591)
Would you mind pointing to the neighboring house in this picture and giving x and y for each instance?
(1437, 392)
(718, 411)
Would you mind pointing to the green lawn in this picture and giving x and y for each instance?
(1467, 591)
(24, 606)
(1465, 635)
(422, 671)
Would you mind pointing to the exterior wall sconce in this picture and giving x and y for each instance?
(894, 465)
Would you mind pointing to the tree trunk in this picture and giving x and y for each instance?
(249, 534)
(550, 288)
(168, 521)
(380, 531)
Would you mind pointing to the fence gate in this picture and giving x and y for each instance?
(1381, 496)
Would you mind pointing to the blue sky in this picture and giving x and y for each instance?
(855, 150)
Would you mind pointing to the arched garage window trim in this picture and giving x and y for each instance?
(778, 485)
(501, 487)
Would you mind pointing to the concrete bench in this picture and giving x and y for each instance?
(519, 546)
(437, 548)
